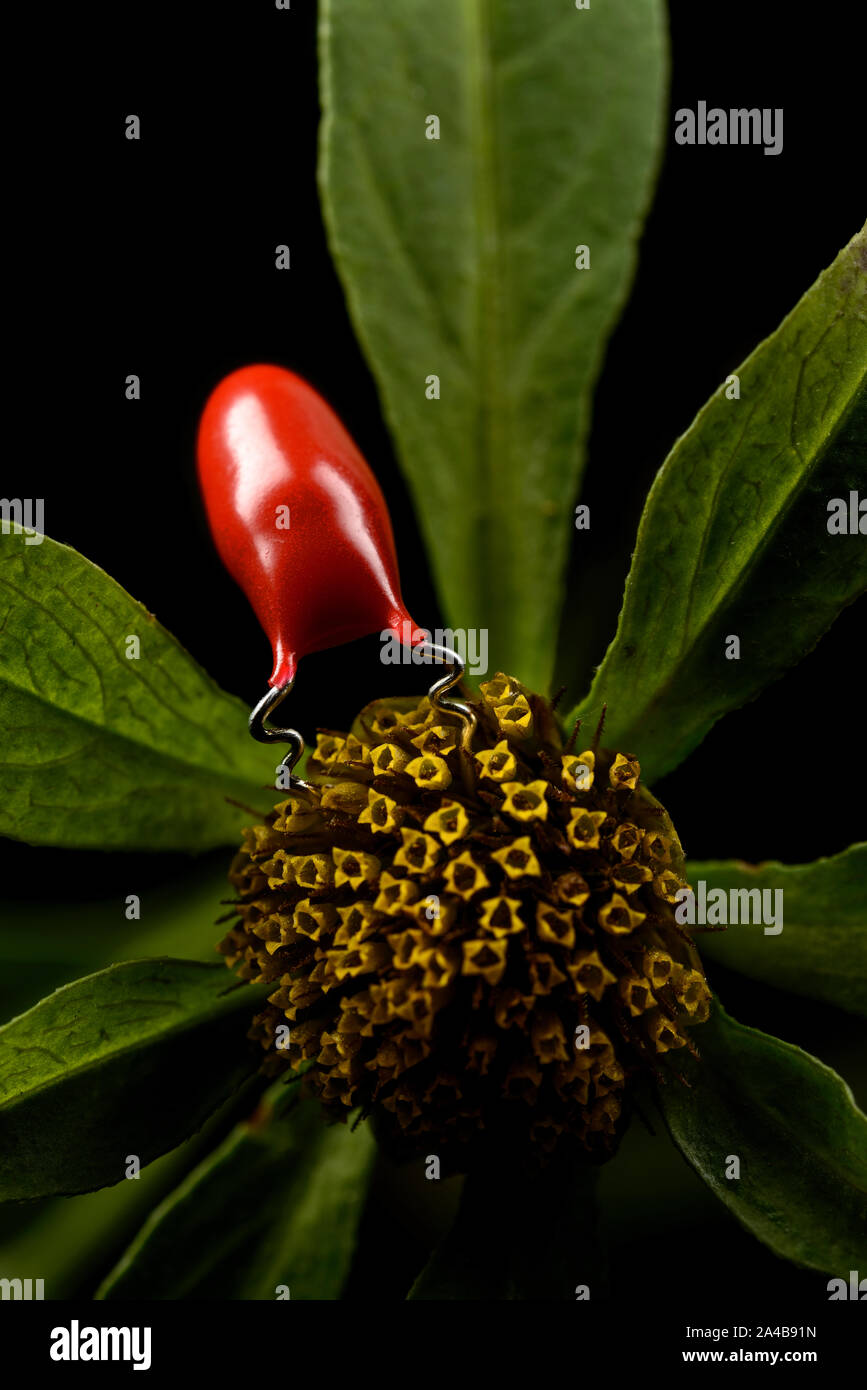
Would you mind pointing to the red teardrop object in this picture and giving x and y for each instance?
(268, 442)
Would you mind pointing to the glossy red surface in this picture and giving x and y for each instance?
(268, 441)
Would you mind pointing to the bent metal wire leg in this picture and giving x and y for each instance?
(264, 732)
(438, 690)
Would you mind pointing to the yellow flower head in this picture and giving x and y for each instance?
(450, 822)
(465, 877)
(501, 916)
(496, 973)
(388, 758)
(418, 853)
(429, 772)
(624, 773)
(381, 813)
(583, 828)
(578, 771)
(526, 801)
(499, 763)
(518, 859)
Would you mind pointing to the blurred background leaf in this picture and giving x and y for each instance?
(71, 1242)
(47, 944)
(458, 256)
(277, 1203)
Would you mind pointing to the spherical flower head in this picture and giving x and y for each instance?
(471, 940)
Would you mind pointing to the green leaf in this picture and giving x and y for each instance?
(103, 751)
(71, 1241)
(792, 1123)
(519, 1235)
(458, 259)
(822, 950)
(734, 538)
(42, 948)
(277, 1204)
(128, 1061)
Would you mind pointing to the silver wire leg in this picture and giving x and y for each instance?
(266, 733)
(447, 682)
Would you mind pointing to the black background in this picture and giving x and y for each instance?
(157, 258)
